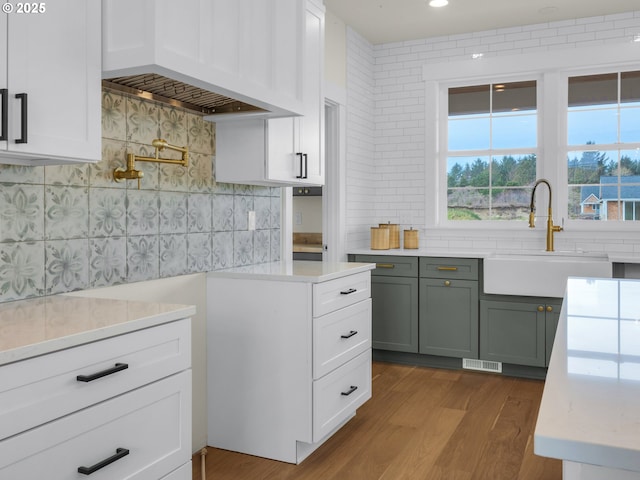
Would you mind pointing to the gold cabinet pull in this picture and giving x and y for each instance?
(447, 283)
(385, 265)
(540, 308)
(448, 269)
(549, 308)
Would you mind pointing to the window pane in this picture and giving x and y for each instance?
(593, 90)
(515, 131)
(592, 126)
(468, 171)
(588, 167)
(513, 170)
(510, 203)
(630, 88)
(467, 203)
(469, 100)
(584, 203)
(630, 125)
(469, 133)
(515, 96)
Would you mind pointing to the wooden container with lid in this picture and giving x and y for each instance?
(394, 234)
(379, 238)
(411, 238)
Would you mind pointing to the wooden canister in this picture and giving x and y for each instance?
(394, 234)
(379, 238)
(411, 238)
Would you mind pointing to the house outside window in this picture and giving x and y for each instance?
(603, 142)
(492, 149)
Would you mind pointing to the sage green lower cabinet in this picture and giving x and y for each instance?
(449, 317)
(513, 332)
(394, 324)
(552, 317)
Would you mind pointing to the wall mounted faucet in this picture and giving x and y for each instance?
(159, 144)
(551, 228)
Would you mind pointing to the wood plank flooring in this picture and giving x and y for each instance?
(421, 423)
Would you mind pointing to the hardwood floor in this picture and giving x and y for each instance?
(421, 423)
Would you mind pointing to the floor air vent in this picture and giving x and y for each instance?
(483, 365)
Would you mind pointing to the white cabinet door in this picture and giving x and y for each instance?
(53, 65)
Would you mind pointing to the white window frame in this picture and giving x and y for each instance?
(551, 70)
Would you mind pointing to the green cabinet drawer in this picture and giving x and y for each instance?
(449, 268)
(389, 265)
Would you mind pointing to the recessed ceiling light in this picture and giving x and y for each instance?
(438, 3)
(476, 56)
(636, 38)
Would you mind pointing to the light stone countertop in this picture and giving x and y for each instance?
(589, 412)
(37, 326)
(295, 271)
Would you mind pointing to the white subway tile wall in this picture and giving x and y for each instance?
(386, 182)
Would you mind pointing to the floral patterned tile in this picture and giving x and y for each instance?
(151, 170)
(107, 213)
(107, 261)
(261, 246)
(242, 205)
(143, 216)
(173, 255)
(172, 122)
(275, 245)
(67, 212)
(222, 250)
(261, 191)
(262, 206)
(173, 212)
(243, 248)
(114, 115)
(21, 270)
(221, 187)
(199, 207)
(143, 258)
(200, 173)
(21, 174)
(21, 213)
(201, 135)
(174, 177)
(67, 265)
(276, 207)
(143, 124)
(114, 153)
(72, 174)
(199, 252)
(243, 189)
(223, 213)
(276, 191)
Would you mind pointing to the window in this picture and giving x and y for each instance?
(603, 138)
(492, 145)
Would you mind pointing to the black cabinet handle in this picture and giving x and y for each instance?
(306, 166)
(23, 118)
(299, 154)
(347, 292)
(352, 389)
(120, 452)
(94, 376)
(350, 334)
(4, 114)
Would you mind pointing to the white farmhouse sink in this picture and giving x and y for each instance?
(540, 274)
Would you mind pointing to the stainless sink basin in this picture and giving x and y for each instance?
(541, 274)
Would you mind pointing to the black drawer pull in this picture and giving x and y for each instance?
(4, 113)
(24, 123)
(352, 389)
(90, 378)
(350, 334)
(299, 154)
(347, 292)
(120, 452)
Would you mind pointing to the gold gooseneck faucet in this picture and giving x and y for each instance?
(159, 144)
(551, 228)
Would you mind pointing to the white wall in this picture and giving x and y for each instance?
(395, 123)
(309, 211)
(335, 50)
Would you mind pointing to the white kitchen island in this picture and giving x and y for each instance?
(590, 411)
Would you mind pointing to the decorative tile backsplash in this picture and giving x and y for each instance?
(71, 227)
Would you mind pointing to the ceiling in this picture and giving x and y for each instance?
(384, 21)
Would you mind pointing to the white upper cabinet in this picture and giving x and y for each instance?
(246, 50)
(50, 82)
(282, 151)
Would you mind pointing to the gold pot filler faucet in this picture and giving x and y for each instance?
(551, 228)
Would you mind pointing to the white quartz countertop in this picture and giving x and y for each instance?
(589, 411)
(42, 325)
(295, 271)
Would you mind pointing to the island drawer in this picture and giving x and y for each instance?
(149, 423)
(337, 395)
(391, 266)
(90, 373)
(449, 268)
(339, 293)
(340, 336)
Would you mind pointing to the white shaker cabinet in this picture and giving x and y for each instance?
(288, 356)
(50, 74)
(281, 151)
(119, 407)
